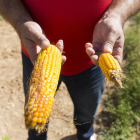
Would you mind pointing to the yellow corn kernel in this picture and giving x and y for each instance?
(111, 68)
(36, 114)
(41, 115)
(29, 118)
(39, 120)
(34, 119)
(43, 121)
(33, 123)
(42, 87)
(27, 122)
(34, 109)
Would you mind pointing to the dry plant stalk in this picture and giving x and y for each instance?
(111, 69)
(42, 87)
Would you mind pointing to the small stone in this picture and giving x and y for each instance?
(12, 105)
(60, 133)
(6, 124)
(3, 87)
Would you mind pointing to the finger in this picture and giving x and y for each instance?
(110, 40)
(91, 53)
(118, 49)
(94, 59)
(89, 49)
(63, 59)
(31, 49)
(88, 45)
(60, 45)
(119, 55)
(38, 49)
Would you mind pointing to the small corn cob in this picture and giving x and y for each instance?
(42, 87)
(111, 68)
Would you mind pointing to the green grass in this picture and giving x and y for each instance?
(1, 18)
(5, 138)
(124, 114)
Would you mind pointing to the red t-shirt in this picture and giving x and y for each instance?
(73, 21)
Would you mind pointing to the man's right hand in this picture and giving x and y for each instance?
(33, 39)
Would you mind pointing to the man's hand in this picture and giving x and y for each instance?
(34, 39)
(108, 34)
(29, 31)
(108, 37)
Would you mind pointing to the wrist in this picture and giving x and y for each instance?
(113, 15)
(123, 9)
(21, 21)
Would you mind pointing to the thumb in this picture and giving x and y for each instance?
(40, 39)
(109, 43)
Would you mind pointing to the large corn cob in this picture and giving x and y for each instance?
(111, 68)
(42, 87)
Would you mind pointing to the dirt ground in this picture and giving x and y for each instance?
(12, 97)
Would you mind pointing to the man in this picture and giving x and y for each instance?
(75, 22)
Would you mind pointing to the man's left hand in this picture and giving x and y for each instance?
(108, 37)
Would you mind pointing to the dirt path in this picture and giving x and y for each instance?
(11, 89)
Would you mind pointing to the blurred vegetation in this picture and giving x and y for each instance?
(124, 110)
(1, 18)
(5, 138)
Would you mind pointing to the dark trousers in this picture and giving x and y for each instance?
(85, 89)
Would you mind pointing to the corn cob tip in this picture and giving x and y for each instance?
(116, 77)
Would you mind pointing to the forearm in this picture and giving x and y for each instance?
(14, 12)
(123, 8)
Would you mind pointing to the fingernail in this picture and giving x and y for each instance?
(88, 45)
(44, 44)
(60, 40)
(60, 43)
(108, 49)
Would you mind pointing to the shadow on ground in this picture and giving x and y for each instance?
(71, 137)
